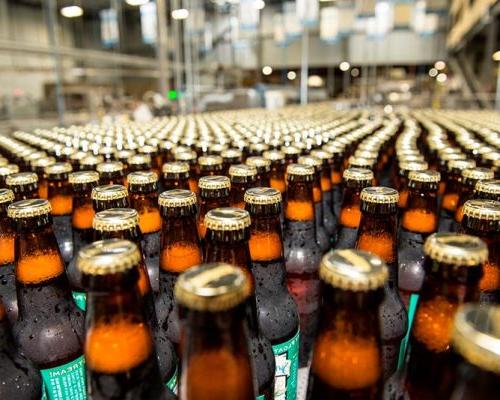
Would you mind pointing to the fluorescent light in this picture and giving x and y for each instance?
(442, 77)
(259, 4)
(72, 11)
(344, 66)
(440, 65)
(496, 56)
(267, 70)
(433, 72)
(136, 3)
(291, 75)
(180, 13)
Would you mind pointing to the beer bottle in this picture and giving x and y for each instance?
(257, 149)
(230, 157)
(487, 189)
(277, 311)
(482, 219)
(23, 184)
(139, 162)
(492, 160)
(291, 153)
(209, 165)
(90, 162)
(419, 220)
(119, 347)
(263, 167)
(180, 250)
(242, 178)
(8, 293)
(75, 159)
(38, 166)
(402, 185)
(190, 158)
(377, 233)
(449, 202)
(5, 171)
(106, 152)
(175, 175)
(336, 172)
(143, 193)
(214, 193)
(355, 180)
(347, 357)
(20, 379)
(154, 154)
(452, 273)
(123, 223)
(476, 340)
(109, 196)
(216, 361)
(49, 328)
(227, 238)
(277, 173)
(302, 253)
(61, 201)
(81, 221)
(469, 179)
(111, 173)
(123, 156)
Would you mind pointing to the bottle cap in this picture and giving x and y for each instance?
(9, 169)
(175, 168)
(300, 170)
(407, 167)
(148, 149)
(231, 154)
(262, 196)
(360, 162)
(323, 155)
(109, 192)
(212, 287)
(273, 155)
(261, 163)
(312, 161)
(6, 196)
(458, 166)
(90, 161)
(477, 173)
(427, 176)
(214, 182)
(354, 270)
(43, 162)
(358, 174)
(489, 186)
(456, 249)
(109, 167)
(242, 170)
(58, 169)
(142, 178)
(21, 178)
(115, 219)
(482, 209)
(379, 195)
(109, 256)
(209, 161)
(189, 156)
(83, 177)
(177, 198)
(139, 159)
(29, 208)
(227, 219)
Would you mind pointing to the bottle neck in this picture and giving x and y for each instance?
(266, 241)
(101, 205)
(420, 214)
(300, 202)
(146, 205)
(350, 213)
(60, 197)
(112, 178)
(7, 237)
(326, 178)
(83, 210)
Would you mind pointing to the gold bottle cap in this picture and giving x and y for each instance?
(361, 162)
(139, 159)
(29, 208)
(262, 196)
(109, 256)
(91, 160)
(176, 167)
(177, 198)
(185, 156)
(227, 219)
(214, 182)
(312, 161)
(209, 161)
(79, 155)
(58, 169)
(300, 170)
(6, 196)
(21, 178)
(142, 178)
(148, 149)
(354, 270)
(358, 174)
(242, 170)
(273, 155)
(290, 150)
(9, 170)
(109, 192)
(323, 155)
(259, 163)
(482, 209)
(379, 195)
(456, 249)
(109, 167)
(413, 166)
(43, 162)
(478, 173)
(490, 186)
(229, 154)
(212, 287)
(124, 154)
(476, 335)
(460, 165)
(427, 176)
(115, 219)
(83, 177)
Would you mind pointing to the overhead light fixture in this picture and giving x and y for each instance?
(496, 56)
(72, 11)
(259, 4)
(180, 13)
(315, 81)
(267, 70)
(442, 77)
(136, 3)
(344, 66)
(433, 72)
(440, 65)
(355, 72)
(291, 75)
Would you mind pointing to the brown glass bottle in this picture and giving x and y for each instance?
(8, 293)
(470, 177)
(139, 162)
(143, 194)
(111, 173)
(377, 234)
(453, 270)
(123, 223)
(60, 197)
(476, 339)
(230, 157)
(243, 177)
(49, 328)
(175, 176)
(119, 346)
(263, 167)
(291, 153)
(227, 241)
(23, 184)
(216, 362)
(190, 158)
(209, 166)
(347, 357)
(302, 253)
(5, 171)
(355, 180)
(90, 162)
(214, 193)
(180, 250)
(487, 189)
(38, 166)
(154, 154)
(277, 173)
(336, 173)
(109, 196)
(402, 184)
(482, 219)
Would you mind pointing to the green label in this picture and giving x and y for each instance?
(261, 397)
(172, 383)
(287, 366)
(65, 382)
(80, 298)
